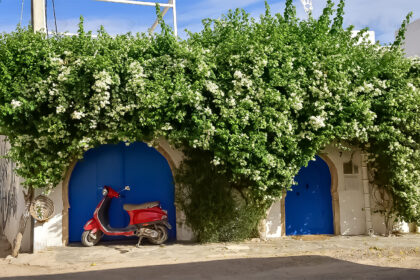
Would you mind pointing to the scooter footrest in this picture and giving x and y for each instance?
(120, 230)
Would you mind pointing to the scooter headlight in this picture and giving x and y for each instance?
(104, 192)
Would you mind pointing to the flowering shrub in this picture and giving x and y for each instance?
(262, 96)
(216, 209)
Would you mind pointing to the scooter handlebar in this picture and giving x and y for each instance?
(126, 188)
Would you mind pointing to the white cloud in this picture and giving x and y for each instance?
(211, 8)
(112, 25)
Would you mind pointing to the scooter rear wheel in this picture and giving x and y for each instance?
(87, 239)
(162, 235)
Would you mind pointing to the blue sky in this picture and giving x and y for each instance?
(381, 16)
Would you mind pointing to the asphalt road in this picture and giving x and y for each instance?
(297, 267)
(306, 257)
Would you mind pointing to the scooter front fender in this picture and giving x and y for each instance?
(91, 225)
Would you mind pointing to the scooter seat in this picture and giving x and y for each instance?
(131, 207)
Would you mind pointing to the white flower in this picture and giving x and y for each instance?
(216, 161)
(63, 75)
(368, 87)
(136, 80)
(297, 105)
(103, 81)
(60, 109)
(195, 143)
(77, 115)
(167, 126)
(93, 124)
(84, 143)
(231, 101)
(56, 60)
(318, 73)
(243, 80)
(208, 111)
(212, 87)
(411, 86)
(317, 122)
(238, 75)
(16, 104)
(52, 91)
(246, 82)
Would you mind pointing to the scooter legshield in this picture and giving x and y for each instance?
(91, 225)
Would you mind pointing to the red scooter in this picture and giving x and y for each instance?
(147, 220)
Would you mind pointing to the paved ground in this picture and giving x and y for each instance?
(314, 257)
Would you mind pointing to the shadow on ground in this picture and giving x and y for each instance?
(4, 247)
(298, 267)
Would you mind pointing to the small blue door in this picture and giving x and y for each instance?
(141, 167)
(308, 205)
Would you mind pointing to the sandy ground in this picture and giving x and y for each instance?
(314, 257)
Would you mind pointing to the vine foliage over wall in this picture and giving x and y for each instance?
(261, 96)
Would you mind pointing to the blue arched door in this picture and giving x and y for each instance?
(141, 167)
(308, 205)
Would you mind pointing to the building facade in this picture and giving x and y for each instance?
(333, 194)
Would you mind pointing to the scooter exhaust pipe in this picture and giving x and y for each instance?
(147, 232)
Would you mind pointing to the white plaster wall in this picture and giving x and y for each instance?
(350, 192)
(12, 202)
(378, 221)
(176, 155)
(50, 233)
(183, 231)
(380, 229)
(273, 221)
(412, 39)
(415, 228)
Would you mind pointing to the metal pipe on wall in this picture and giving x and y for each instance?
(366, 195)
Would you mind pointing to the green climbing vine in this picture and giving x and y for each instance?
(260, 97)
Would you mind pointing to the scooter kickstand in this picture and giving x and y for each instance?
(139, 242)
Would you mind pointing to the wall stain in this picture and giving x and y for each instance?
(8, 186)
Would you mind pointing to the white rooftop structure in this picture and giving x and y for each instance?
(167, 6)
(412, 39)
(370, 35)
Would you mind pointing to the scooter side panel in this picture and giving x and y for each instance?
(146, 215)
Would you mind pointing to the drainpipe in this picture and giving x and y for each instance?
(366, 194)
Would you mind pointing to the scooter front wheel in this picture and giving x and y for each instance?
(88, 240)
(162, 235)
